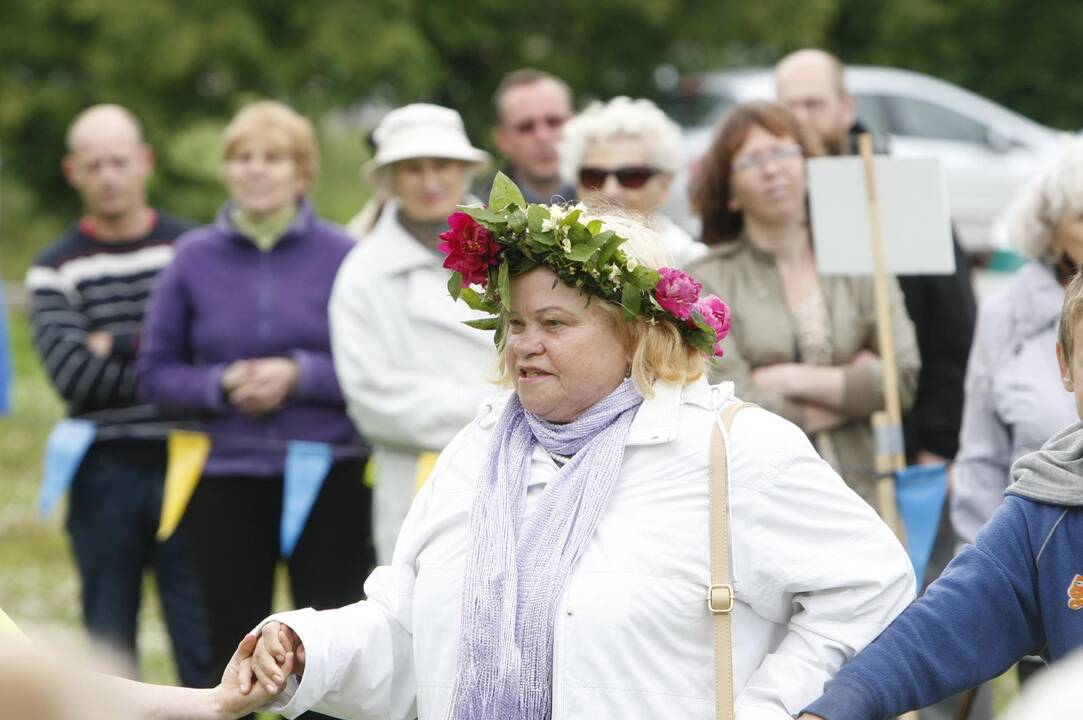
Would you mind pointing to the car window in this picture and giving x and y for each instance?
(693, 106)
(921, 118)
(872, 112)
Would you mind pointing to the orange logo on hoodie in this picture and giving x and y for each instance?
(1075, 593)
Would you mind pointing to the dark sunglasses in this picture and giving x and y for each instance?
(630, 176)
(553, 122)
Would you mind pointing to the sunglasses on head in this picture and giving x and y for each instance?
(629, 176)
(553, 122)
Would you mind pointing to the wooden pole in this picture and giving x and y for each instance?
(887, 424)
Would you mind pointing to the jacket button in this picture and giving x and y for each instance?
(568, 612)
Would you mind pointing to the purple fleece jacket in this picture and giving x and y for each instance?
(221, 300)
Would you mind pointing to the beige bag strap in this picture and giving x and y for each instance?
(720, 592)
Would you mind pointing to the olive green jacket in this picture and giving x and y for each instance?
(763, 333)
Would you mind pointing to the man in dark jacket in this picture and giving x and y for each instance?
(532, 107)
(88, 291)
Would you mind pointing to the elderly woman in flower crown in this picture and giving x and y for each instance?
(556, 562)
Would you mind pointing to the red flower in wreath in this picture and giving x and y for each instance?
(470, 248)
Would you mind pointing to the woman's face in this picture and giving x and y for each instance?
(630, 155)
(767, 179)
(262, 176)
(562, 355)
(1068, 235)
(429, 188)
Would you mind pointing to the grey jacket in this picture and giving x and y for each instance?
(1014, 398)
(764, 334)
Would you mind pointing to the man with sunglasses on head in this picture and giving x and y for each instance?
(532, 107)
(811, 84)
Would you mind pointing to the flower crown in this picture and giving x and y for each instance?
(487, 246)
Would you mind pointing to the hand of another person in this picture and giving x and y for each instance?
(236, 696)
(277, 644)
(235, 375)
(924, 457)
(820, 419)
(865, 357)
(267, 385)
(100, 343)
(777, 378)
(808, 716)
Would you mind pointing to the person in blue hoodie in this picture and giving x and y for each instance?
(1018, 590)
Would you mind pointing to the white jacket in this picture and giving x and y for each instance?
(412, 373)
(816, 574)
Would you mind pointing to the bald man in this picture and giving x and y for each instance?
(88, 292)
(810, 83)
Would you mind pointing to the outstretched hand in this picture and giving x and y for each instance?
(236, 694)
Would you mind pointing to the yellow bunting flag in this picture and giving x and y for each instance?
(425, 463)
(187, 455)
(8, 628)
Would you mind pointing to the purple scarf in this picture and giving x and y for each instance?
(515, 570)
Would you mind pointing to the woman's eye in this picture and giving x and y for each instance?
(553, 323)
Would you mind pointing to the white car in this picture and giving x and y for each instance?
(985, 150)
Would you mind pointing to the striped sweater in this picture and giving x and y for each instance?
(79, 285)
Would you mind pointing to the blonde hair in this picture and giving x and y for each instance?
(659, 350)
(1070, 315)
(620, 117)
(278, 121)
(1030, 220)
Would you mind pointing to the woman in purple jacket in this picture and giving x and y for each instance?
(238, 333)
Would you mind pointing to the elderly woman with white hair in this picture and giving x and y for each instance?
(1014, 398)
(411, 372)
(624, 153)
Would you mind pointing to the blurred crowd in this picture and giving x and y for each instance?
(272, 325)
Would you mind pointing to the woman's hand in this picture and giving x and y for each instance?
(259, 386)
(236, 696)
(278, 653)
(821, 419)
(779, 378)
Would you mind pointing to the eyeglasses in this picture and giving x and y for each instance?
(759, 159)
(630, 176)
(552, 122)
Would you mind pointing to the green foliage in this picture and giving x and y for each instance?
(184, 66)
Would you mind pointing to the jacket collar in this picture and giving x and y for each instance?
(395, 251)
(1036, 299)
(301, 226)
(658, 418)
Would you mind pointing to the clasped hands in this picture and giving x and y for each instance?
(260, 386)
(259, 669)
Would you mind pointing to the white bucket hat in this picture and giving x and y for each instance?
(422, 130)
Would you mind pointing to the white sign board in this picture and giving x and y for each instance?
(914, 219)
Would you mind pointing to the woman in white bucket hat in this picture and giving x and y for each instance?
(412, 373)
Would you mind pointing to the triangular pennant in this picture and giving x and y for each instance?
(64, 451)
(8, 628)
(307, 464)
(426, 461)
(188, 451)
(920, 490)
(5, 358)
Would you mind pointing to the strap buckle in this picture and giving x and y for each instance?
(720, 599)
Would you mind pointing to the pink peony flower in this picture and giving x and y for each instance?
(470, 248)
(676, 292)
(717, 314)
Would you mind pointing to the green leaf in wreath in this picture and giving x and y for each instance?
(535, 216)
(489, 323)
(504, 285)
(455, 285)
(505, 193)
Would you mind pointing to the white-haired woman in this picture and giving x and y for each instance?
(1014, 397)
(411, 372)
(624, 153)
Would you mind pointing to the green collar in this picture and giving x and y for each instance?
(265, 232)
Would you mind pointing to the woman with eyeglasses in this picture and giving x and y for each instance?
(803, 345)
(623, 154)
